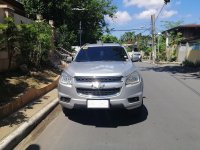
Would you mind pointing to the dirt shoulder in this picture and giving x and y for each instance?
(14, 84)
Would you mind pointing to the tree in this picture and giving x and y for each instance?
(35, 43)
(171, 24)
(108, 38)
(162, 47)
(65, 38)
(34, 7)
(128, 37)
(10, 34)
(62, 13)
(142, 42)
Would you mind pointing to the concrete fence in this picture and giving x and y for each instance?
(189, 52)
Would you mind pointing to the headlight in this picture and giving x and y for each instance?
(66, 79)
(133, 78)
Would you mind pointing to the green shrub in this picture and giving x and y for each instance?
(9, 39)
(65, 38)
(35, 43)
(188, 63)
(2, 37)
(173, 56)
(147, 51)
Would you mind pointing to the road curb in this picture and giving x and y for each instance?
(15, 137)
(26, 98)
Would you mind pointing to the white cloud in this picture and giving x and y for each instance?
(168, 14)
(121, 17)
(146, 14)
(144, 3)
(150, 7)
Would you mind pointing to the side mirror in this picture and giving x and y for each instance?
(69, 59)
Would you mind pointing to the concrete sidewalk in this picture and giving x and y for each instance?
(12, 127)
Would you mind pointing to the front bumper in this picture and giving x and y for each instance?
(136, 58)
(120, 100)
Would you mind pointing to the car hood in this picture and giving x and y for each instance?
(100, 68)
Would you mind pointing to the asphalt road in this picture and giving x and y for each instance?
(170, 120)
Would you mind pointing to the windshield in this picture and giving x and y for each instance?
(135, 50)
(107, 53)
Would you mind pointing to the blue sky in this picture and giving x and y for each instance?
(136, 13)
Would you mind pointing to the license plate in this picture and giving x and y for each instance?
(98, 104)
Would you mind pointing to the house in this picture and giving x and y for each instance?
(14, 9)
(189, 47)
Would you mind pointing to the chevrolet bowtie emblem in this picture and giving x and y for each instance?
(97, 85)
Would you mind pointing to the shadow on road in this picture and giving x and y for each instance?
(33, 147)
(108, 118)
(184, 72)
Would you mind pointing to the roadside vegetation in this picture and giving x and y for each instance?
(191, 64)
(28, 44)
(67, 15)
(143, 43)
(31, 46)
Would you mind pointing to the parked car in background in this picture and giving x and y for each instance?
(136, 55)
(101, 76)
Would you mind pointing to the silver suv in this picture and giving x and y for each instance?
(101, 76)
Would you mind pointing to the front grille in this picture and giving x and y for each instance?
(98, 92)
(99, 79)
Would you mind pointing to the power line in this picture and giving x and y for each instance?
(155, 19)
(143, 30)
(160, 11)
(147, 29)
(127, 30)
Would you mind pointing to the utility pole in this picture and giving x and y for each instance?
(80, 31)
(153, 36)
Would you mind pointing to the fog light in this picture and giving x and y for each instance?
(133, 99)
(65, 99)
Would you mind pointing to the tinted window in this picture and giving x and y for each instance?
(108, 53)
(135, 50)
